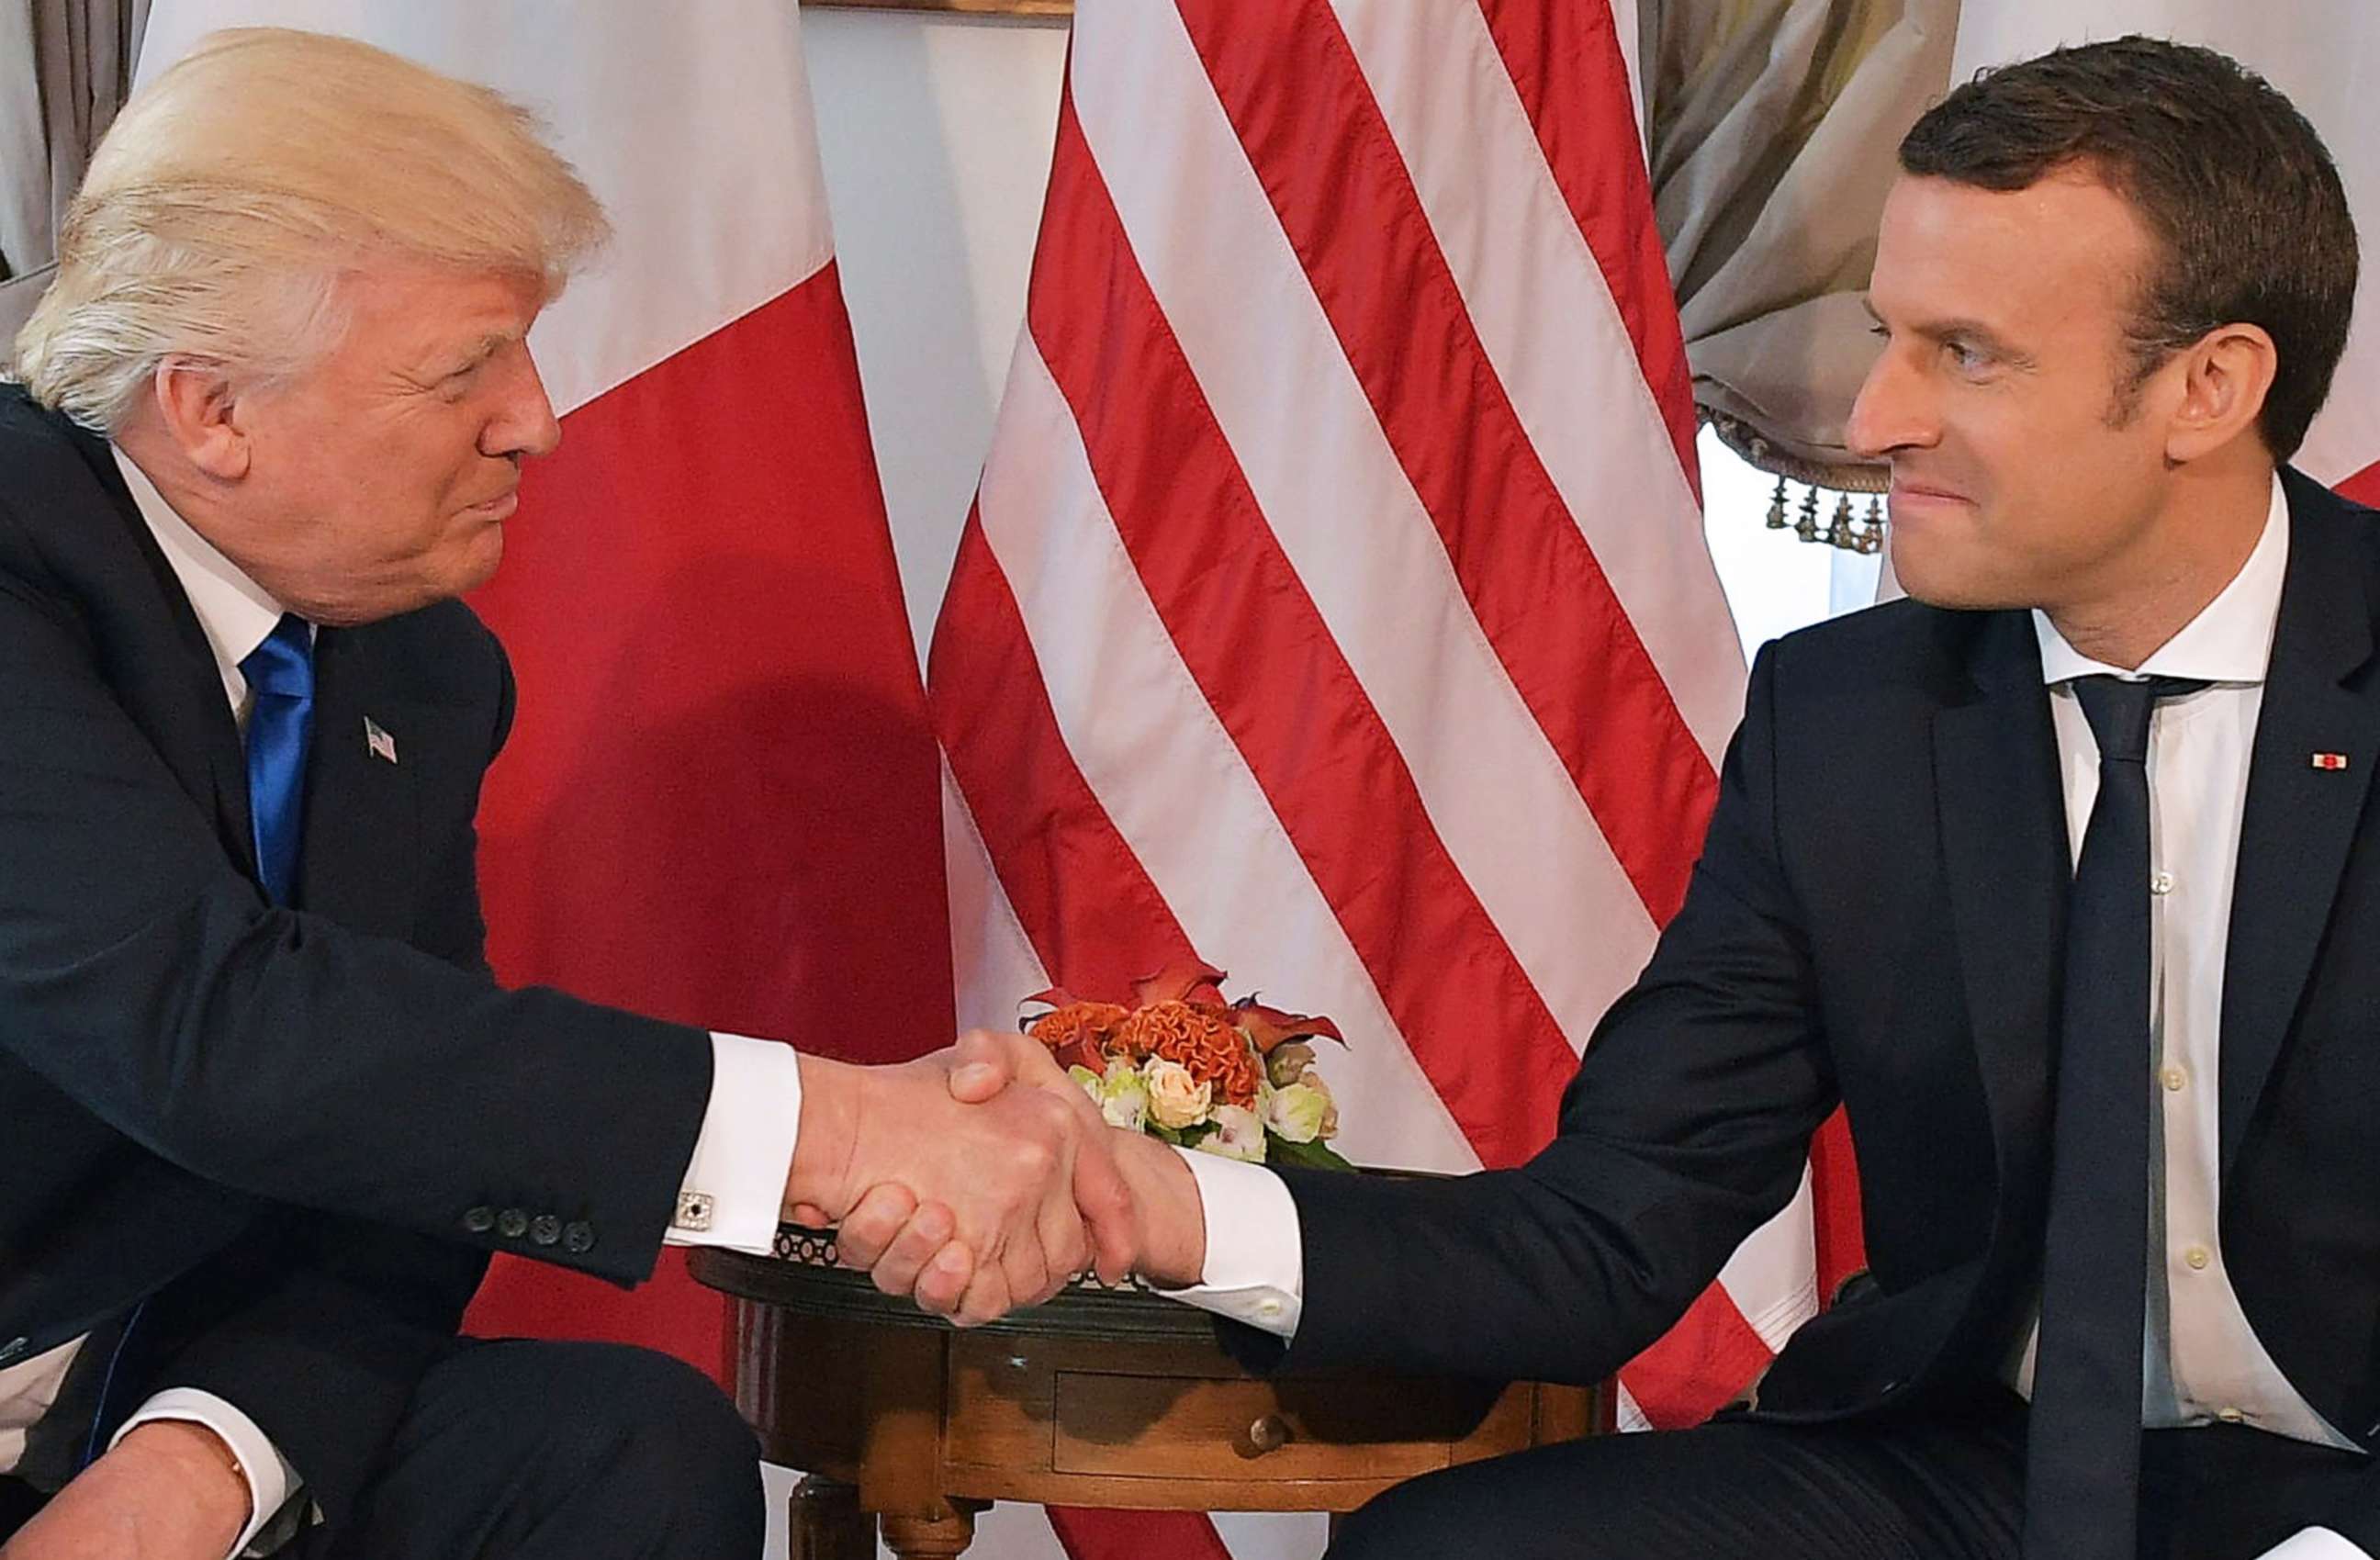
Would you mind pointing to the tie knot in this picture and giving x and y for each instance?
(284, 664)
(2118, 709)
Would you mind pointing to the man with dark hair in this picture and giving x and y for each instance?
(2090, 976)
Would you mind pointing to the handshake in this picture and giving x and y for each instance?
(981, 1179)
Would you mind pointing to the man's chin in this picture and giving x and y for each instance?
(1924, 575)
(487, 552)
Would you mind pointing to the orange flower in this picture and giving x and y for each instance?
(1080, 1033)
(1202, 1039)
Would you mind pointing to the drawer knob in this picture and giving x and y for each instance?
(1270, 1433)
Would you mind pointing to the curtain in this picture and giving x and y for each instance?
(1771, 126)
(66, 68)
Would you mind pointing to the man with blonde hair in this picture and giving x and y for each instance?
(263, 1111)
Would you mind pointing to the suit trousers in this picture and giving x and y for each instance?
(548, 1451)
(18, 1501)
(1940, 1483)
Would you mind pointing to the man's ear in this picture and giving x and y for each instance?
(2226, 375)
(199, 407)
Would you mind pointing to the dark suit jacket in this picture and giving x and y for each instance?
(1878, 919)
(294, 1134)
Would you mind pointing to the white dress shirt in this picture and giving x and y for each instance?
(733, 1184)
(2204, 1362)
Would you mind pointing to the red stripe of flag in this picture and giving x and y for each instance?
(2363, 487)
(1290, 85)
(1564, 58)
(1266, 663)
(1698, 1366)
(1095, 919)
(1136, 1535)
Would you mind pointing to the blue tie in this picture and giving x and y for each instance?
(280, 676)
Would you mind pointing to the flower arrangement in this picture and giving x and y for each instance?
(1237, 1079)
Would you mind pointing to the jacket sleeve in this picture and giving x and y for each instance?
(1684, 1129)
(280, 1054)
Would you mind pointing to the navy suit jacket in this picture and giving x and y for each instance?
(290, 1136)
(1876, 920)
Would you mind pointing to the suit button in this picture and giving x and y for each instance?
(579, 1237)
(14, 1348)
(512, 1224)
(545, 1229)
(479, 1221)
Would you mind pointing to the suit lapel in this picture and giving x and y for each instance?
(2298, 821)
(362, 831)
(2004, 848)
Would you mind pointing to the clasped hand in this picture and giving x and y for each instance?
(976, 1179)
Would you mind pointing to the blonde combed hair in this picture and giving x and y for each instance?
(233, 191)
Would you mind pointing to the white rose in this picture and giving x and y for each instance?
(1297, 1112)
(1238, 1135)
(1176, 1099)
(1123, 1098)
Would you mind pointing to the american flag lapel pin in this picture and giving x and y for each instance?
(2330, 760)
(380, 745)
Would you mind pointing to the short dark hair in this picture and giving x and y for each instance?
(2231, 182)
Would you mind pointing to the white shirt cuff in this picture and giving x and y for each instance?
(1256, 1265)
(2317, 1543)
(270, 1480)
(734, 1185)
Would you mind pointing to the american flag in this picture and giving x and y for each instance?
(1334, 607)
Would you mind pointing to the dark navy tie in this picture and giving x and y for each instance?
(2083, 1464)
(280, 676)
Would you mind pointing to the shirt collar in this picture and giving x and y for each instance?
(233, 610)
(2229, 641)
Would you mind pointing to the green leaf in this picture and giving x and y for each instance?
(1314, 1155)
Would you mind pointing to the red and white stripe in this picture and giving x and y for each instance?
(1335, 604)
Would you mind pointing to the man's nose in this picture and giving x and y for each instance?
(1892, 412)
(525, 423)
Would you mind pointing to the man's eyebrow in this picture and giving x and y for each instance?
(1971, 330)
(472, 354)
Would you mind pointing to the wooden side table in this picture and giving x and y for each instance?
(1098, 1398)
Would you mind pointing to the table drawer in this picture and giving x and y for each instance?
(1357, 1427)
